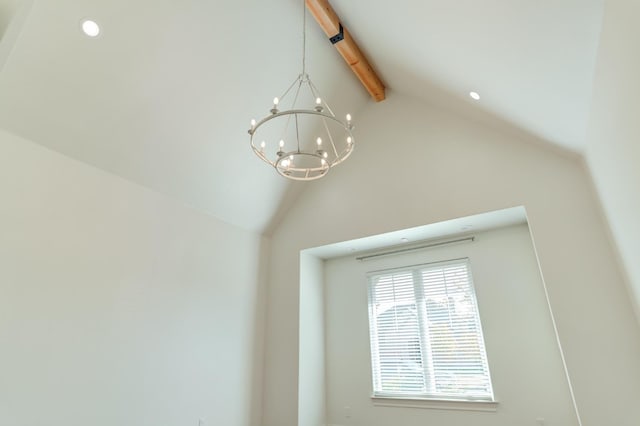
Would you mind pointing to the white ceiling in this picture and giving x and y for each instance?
(164, 95)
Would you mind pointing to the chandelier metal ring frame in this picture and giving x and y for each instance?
(285, 162)
(317, 140)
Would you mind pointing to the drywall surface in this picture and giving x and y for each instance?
(13, 14)
(119, 306)
(613, 150)
(417, 165)
(311, 380)
(528, 378)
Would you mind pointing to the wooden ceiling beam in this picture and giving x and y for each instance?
(342, 40)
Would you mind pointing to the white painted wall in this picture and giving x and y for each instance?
(311, 379)
(445, 167)
(13, 15)
(119, 306)
(613, 143)
(526, 368)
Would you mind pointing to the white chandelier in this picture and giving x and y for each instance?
(304, 139)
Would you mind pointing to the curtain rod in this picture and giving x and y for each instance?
(404, 250)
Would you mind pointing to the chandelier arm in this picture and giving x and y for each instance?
(286, 126)
(316, 93)
(260, 152)
(261, 155)
(333, 145)
(290, 87)
(297, 133)
(295, 99)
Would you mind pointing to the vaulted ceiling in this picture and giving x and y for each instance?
(163, 96)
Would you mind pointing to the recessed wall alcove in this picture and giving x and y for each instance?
(529, 376)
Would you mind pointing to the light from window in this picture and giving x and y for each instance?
(426, 337)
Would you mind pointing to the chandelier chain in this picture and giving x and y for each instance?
(304, 39)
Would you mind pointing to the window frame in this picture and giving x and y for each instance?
(427, 399)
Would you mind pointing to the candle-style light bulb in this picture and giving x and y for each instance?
(263, 144)
(274, 110)
(319, 141)
(348, 117)
(318, 101)
(281, 143)
(349, 140)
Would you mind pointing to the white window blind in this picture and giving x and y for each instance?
(426, 337)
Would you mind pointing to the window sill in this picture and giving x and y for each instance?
(435, 404)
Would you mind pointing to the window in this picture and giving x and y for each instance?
(426, 338)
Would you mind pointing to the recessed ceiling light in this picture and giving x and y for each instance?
(90, 28)
(474, 95)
